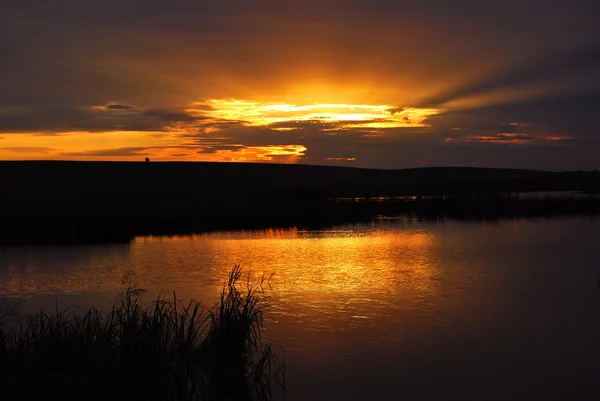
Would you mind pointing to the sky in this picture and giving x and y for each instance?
(363, 83)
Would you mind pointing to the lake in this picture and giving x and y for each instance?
(392, 309)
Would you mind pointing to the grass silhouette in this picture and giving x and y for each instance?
(162, 350)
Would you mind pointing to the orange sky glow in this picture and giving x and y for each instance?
(168, 144)
(378, 84)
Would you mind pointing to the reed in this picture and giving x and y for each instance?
(162, 350)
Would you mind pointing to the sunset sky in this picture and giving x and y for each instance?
(365, 83)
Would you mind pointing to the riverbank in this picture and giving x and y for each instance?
(95, 202)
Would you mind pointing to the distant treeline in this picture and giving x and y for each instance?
(104, 202)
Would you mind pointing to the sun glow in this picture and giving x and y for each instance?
(280, 116)
(212, 130)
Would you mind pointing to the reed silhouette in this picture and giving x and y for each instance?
(163, 350)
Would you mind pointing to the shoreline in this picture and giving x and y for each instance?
(102, 202)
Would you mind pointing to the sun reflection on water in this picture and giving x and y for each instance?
(381, 303)
(342, 271)
(323, 266)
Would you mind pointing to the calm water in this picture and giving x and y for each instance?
(395, 309)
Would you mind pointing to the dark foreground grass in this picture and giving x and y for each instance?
(163, 350)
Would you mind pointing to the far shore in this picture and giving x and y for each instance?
(89, 202)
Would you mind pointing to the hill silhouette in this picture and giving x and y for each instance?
(51, 180)
(107, 200)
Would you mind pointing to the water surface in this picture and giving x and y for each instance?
(388, 310)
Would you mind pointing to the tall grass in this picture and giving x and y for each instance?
(163, 350)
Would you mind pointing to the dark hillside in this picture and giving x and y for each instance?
(113, 201)
(101, 180)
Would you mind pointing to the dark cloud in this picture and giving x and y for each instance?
(171, 115)
(119, 107)
(305, 124)
(113, 117)
(501, 138)
(395, 110)
(581, 65)
(119, 152)
(162, 49)
(212, 149)
(568, 115)
(523, 71)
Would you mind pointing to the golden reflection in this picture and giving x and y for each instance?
(335, 270)
(324, 266)
(328, 264)
(281, 233)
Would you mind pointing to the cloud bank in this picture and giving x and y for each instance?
(510, 83)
